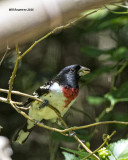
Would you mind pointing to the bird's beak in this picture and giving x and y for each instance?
(83, 71)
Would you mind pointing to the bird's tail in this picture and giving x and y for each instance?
(22, 135)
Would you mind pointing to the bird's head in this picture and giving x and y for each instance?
(71, 74)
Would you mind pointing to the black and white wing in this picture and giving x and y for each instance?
(40, 92)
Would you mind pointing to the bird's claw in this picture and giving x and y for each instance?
(72, 133)
(45, 103)
(35, 122)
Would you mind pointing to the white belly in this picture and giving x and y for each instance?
(56, 99)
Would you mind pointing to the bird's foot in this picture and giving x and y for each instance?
(45, 103)
(35, 122)
(72, 133)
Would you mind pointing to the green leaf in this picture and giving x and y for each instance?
(114, 54)
(119, 150)
(95, 100)
(89, 77)
(120, 53)
(112, 22)
(59, 137)
(80, 153)
(120, 116)
(93, 52)
(118, 12)
(118, 95)
(69, 156)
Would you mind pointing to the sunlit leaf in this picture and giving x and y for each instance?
(79, 153)
(119, 150)
(69, 156)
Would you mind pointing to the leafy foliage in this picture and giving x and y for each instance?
(119, 150)
(118, 95)
(80, 153)
(95, 100)
(111, 62)
(107, 83)
(69, 156)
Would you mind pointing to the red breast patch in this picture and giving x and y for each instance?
(70, 94)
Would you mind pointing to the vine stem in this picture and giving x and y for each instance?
(94, 124)
(71, 133)
(7, 49)
(112, 105)
(14, 105)
(13, 74)
(54, 31)
(21, 94)
(105, 141)
(117, 73)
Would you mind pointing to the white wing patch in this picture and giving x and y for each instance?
(45, 87)
(56, 87)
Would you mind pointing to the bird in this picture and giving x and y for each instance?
(60, 92)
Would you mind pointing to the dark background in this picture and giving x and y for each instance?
(99, 42)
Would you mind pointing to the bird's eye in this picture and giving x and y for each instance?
(72, 70)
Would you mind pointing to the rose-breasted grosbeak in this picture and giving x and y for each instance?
(60, 92)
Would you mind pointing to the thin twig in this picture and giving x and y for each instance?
(93, 124)
(115, 11)
(7, 49)
(105, 141)
(54, 31)
(13, 104)
(21, 94)
(24, 108)
(13, 74)
(85, 147)
(29, 118)
(109, 109)
(117, 73)
(106, 110)
(121, 68)
(59, 115)
(74, 135)
(6, 101)
(58, 130)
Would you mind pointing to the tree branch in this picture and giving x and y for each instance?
(94, 124)
(74, 135)
(21, 94)
(54, 31)
(13, 74)
(105, 141)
